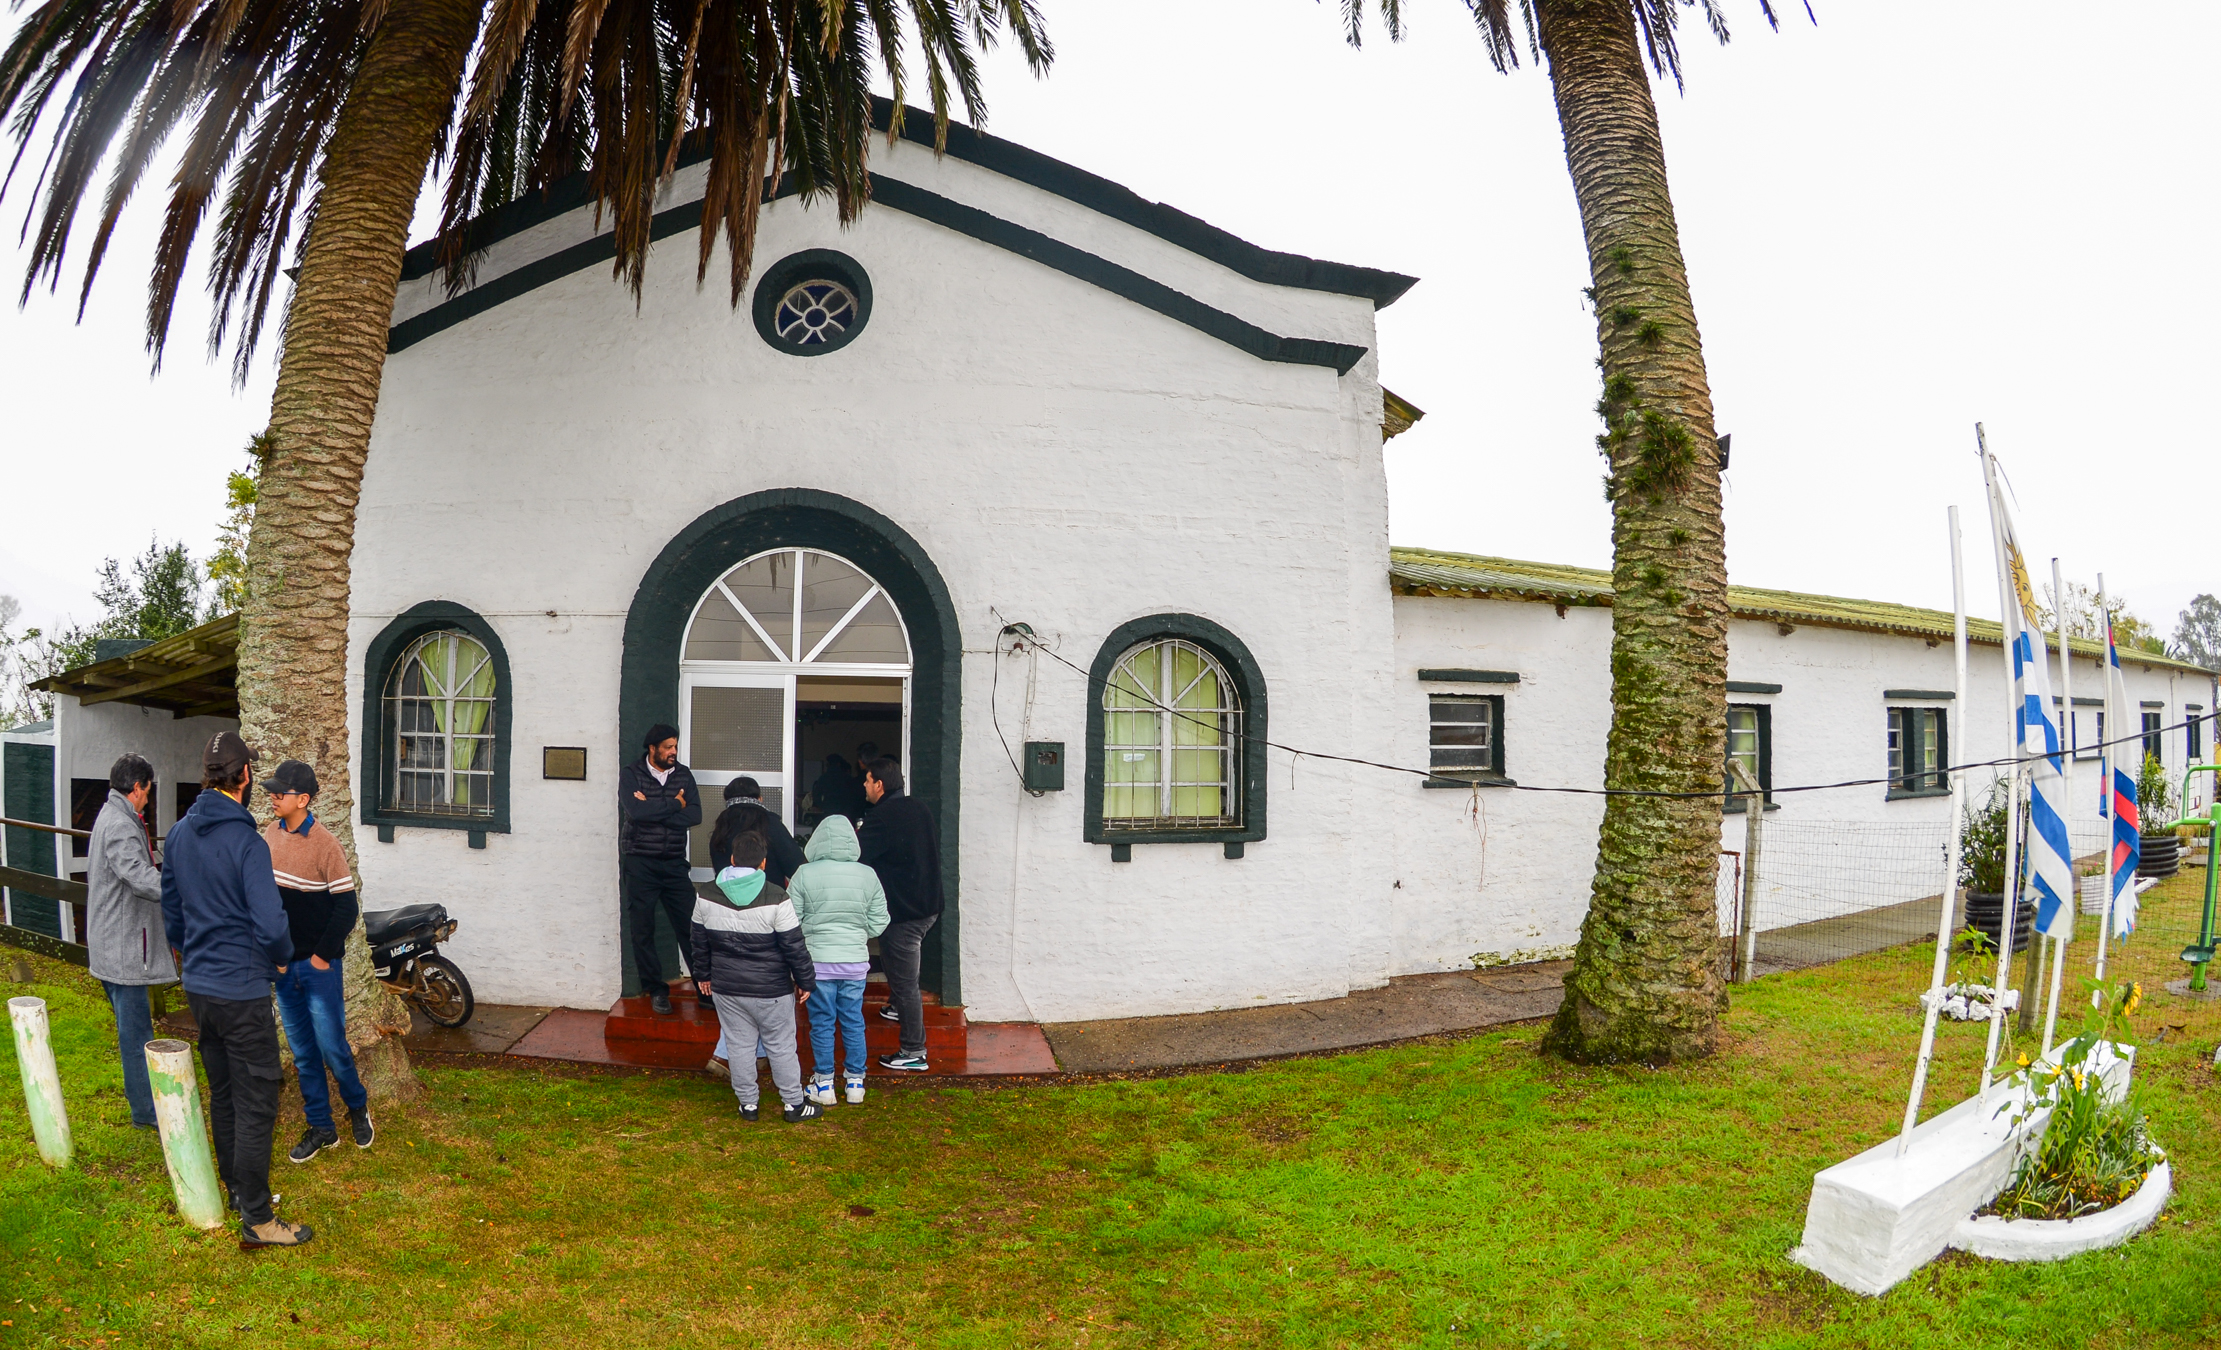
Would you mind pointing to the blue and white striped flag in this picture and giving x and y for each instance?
(2048, 858)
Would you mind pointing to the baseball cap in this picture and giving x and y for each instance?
(291, 776)
(226, 754)
(743, 787)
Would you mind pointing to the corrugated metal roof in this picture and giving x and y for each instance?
(1420, 571)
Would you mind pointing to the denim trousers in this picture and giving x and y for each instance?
(316, 1027)
(838, 1002)
(134, 1028)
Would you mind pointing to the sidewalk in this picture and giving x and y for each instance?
(1409, 1006)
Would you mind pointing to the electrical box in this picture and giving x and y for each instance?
(1044, 763)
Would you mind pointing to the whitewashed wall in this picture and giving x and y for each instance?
(1067, 458)
(1513, 880)
(92, 739)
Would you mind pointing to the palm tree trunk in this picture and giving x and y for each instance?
(1646, 984)
(293, 632)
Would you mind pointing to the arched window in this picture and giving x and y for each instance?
(1171, 726)
(435, 724)
(439, 707)
(1175, 748)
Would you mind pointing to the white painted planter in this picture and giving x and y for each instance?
(2002, 1239)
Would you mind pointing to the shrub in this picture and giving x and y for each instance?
(2094, 1153)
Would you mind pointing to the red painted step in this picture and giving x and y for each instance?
(693, 1023)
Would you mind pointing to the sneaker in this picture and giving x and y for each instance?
(313, 1142)
(887, 1013)
(801, 1111)
(904, 1061)
(718, 1069)
(659, 999)
(365, 1132)
(750, 1114)
(855, 1089)
(276, 1233)
(820, 1090)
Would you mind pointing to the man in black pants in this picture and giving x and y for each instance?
(220, 905)
(900, 845)
(660, 804)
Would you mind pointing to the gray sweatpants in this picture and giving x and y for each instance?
(746, 1020)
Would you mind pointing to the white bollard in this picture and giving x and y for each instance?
(177, 1109)
(42, 1083)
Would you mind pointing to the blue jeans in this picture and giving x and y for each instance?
(134, 1028)
(842, 1002)
(316, 1027)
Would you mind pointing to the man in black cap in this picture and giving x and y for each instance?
(318, 889)
(660, 805)
(220, 904)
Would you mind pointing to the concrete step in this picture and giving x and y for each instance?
(694, 1023)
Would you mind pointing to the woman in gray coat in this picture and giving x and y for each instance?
(124, 941)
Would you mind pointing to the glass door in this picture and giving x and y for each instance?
(738, 723)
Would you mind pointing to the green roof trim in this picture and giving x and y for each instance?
(1432, 572)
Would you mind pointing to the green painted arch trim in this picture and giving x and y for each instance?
(709, 546)
(1249, 680)
(432, 616)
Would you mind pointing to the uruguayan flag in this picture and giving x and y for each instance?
(2048, 859)
(2128, 841)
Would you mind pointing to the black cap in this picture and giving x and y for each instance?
(743, 787)
(225, 755)
(291, 776)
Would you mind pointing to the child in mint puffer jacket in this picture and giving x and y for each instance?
(842, 908)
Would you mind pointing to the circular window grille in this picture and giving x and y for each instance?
(814, 313)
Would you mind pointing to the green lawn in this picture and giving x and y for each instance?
(1449, 1194)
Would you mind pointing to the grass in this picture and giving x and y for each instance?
(1464, 1193)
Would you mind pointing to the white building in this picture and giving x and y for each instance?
(1013, 398)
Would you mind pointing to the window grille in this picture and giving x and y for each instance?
(1919, 749)
(1170, 769)
(1462, 741)
(814, 312)
(439, 706)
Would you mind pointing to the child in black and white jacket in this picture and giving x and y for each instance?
(749, 956)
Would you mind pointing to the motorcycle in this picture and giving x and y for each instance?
(403, 959)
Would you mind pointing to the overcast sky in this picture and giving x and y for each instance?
(1905, 219)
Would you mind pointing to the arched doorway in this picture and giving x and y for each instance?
(655, 683)
(796, 666)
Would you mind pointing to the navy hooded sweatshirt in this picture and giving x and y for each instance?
(220, 902)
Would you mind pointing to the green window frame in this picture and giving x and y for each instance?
(1465, 740)
(1919, 752)
(1230, 731)
(390, 702)
(1750, 739)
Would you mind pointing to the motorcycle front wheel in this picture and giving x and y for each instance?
(442, 991)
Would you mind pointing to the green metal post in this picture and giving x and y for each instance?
(177, 1108)
(42, 1083)
(2200, 953)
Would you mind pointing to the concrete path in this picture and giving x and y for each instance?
(1410, 1005)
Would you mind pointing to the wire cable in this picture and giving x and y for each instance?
(1885, 780)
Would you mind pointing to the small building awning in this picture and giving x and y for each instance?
(195, 674)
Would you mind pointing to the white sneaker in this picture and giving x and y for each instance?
(820, 1090)
(855, 1088)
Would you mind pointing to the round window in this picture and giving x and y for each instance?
(811, 303)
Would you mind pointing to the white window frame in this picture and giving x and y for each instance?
(1227, 751)
(395, 701)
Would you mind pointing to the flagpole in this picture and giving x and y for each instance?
(2010, 900)
(2066, 721)
(1950, 853)
(2105, 768)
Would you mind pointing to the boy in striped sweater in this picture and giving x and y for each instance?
(319, 895)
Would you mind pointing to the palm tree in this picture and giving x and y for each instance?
(1646, 983)
(356, 97)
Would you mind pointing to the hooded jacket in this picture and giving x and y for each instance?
(220, 902)
(124, 941)
(746, 940)
(899, 844)
(839, 900)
